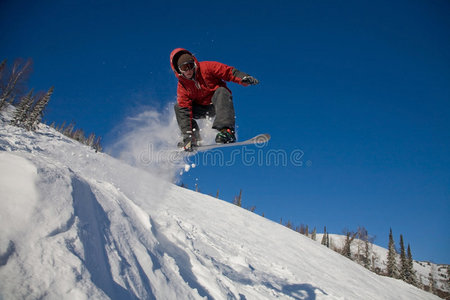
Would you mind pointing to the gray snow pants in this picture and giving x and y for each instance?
(222, 107)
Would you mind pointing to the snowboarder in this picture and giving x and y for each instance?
(201, 93)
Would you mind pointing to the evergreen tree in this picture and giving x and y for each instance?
(97, 145)
(412, 279)
(404, 269)
(366, 256)
(302, 229)
(324, 237)
(363, 250)
(90, 140)
(346, 251)
(38, 110)
(69, 129)
(448, 274)
(314, 234)
(22, 110)
(289, 224)
(391, 270)
(238, 199)
(61, 128)
(78, 135)
(431, 282)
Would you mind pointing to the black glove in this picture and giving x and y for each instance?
(250, 80)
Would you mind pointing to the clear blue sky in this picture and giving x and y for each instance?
(362, 88)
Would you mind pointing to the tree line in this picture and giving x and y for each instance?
(30, 107)
(399, 261)
(399, 264)
(78, 134)
(404, 269)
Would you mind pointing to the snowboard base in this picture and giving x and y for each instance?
(256, 140)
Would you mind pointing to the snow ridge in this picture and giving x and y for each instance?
(76, 224)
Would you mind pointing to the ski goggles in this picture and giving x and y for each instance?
(186, 66)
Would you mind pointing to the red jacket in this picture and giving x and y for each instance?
(209, 76)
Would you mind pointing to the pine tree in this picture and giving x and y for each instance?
(289, 224)
(301, 229)
(61, 128)
(412, 279)
(363, 243)
(314, 234)
(22, 109)
(392, 270)
(366, 256)
(324, 237)
(448, 274)
(97, 145)
(78, 135)
(431, 282)
(238, 199)
(404, 269)
(69, 129)
(346, 251)
(90, 140)
(38, 110)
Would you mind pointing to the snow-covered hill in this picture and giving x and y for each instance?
(75, 224)
(378, 256)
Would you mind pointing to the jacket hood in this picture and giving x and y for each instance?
(174, 58)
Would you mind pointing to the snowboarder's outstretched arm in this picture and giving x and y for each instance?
(245, 78)
(228, 73)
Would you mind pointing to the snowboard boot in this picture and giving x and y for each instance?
(226, 136)
(189, 142)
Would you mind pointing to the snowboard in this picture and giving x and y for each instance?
(256, 140)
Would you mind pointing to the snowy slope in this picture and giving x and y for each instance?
(75, 224)
(379, 258)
